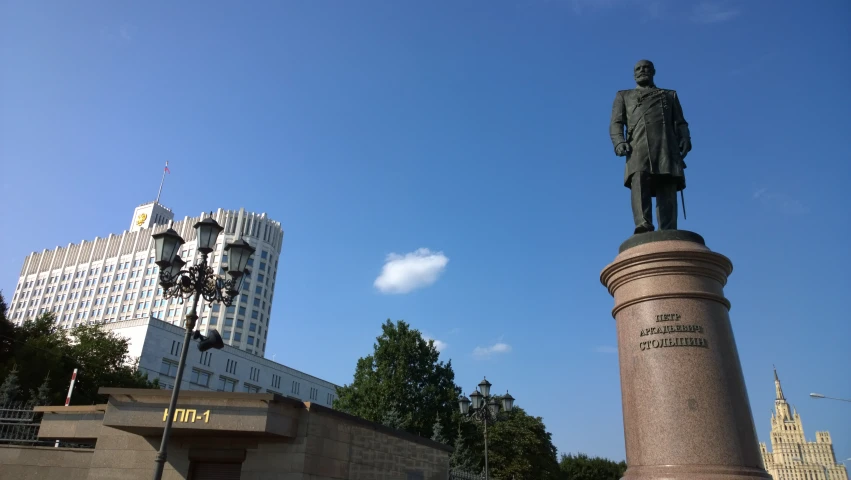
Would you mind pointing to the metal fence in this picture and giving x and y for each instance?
(461, 475)
(19, 425)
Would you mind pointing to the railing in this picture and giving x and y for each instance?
(461, 475)
(19, 425)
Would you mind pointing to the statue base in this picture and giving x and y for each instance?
(685, 407)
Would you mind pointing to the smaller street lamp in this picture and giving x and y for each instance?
(485, 387)
(464, 403)
(484, 408)
(194, 282)
(476, 398)
(166, 245)
(507, 402)
(818, 395)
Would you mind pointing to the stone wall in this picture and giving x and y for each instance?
(339, 446)
(334, 446)
(122, 455)
(44, 463)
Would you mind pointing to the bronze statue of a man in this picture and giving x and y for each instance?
(656, 143)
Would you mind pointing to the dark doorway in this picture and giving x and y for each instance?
(215, 471)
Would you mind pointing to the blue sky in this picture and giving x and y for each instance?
(476, 130)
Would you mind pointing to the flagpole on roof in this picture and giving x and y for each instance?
(160, 191)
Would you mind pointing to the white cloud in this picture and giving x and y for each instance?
(405, 273)
(647, 9)
(440, 345)
(606, 349)
(495, 349)
(120, 34)
(582, 6)
(780, 201)
(713, 12)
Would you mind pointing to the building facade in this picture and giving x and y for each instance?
(114, 279)
(157, 344)
(792, 457)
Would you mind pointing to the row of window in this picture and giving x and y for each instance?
(237, 337)
(82, 273)
(85, 293)
(206, 357)
(117, 288)
(202, 378)
(130, 296)
(126, 265)
(231, 366)
(143, 294)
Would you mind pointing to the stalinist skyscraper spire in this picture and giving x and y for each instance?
(792, 456)
(777, 388)
(781, 407)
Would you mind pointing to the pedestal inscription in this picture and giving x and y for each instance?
(672, 329)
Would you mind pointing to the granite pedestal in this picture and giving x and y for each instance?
(685, 408)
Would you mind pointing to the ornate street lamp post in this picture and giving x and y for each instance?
(484, 408)
(196, 281)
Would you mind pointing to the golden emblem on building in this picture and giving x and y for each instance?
(141, 219)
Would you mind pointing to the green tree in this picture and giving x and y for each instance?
(39, 346)
(520, 447)
(402, 381)
(10, 389)
(102, 360)
(393, 419)
(468, 455)
(7, 335)
(44, 356)
(42, 396)
(437, 433)
(583, 467)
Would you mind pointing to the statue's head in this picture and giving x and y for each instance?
(644, 73)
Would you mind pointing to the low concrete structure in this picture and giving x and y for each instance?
(223, 436)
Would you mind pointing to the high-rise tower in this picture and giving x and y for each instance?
(792, 457)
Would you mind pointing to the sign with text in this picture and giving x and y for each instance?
(187, 415)
(668, 330)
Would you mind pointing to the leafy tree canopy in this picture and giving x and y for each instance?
(519, 447)
(44, 357)
(10, 389)
(583, 467)
(403, 384)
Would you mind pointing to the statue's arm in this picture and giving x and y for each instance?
(618, 122)
(679, 119)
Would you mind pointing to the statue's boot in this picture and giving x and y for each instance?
(644, 228)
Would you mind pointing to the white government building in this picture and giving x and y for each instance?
(113, 281)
